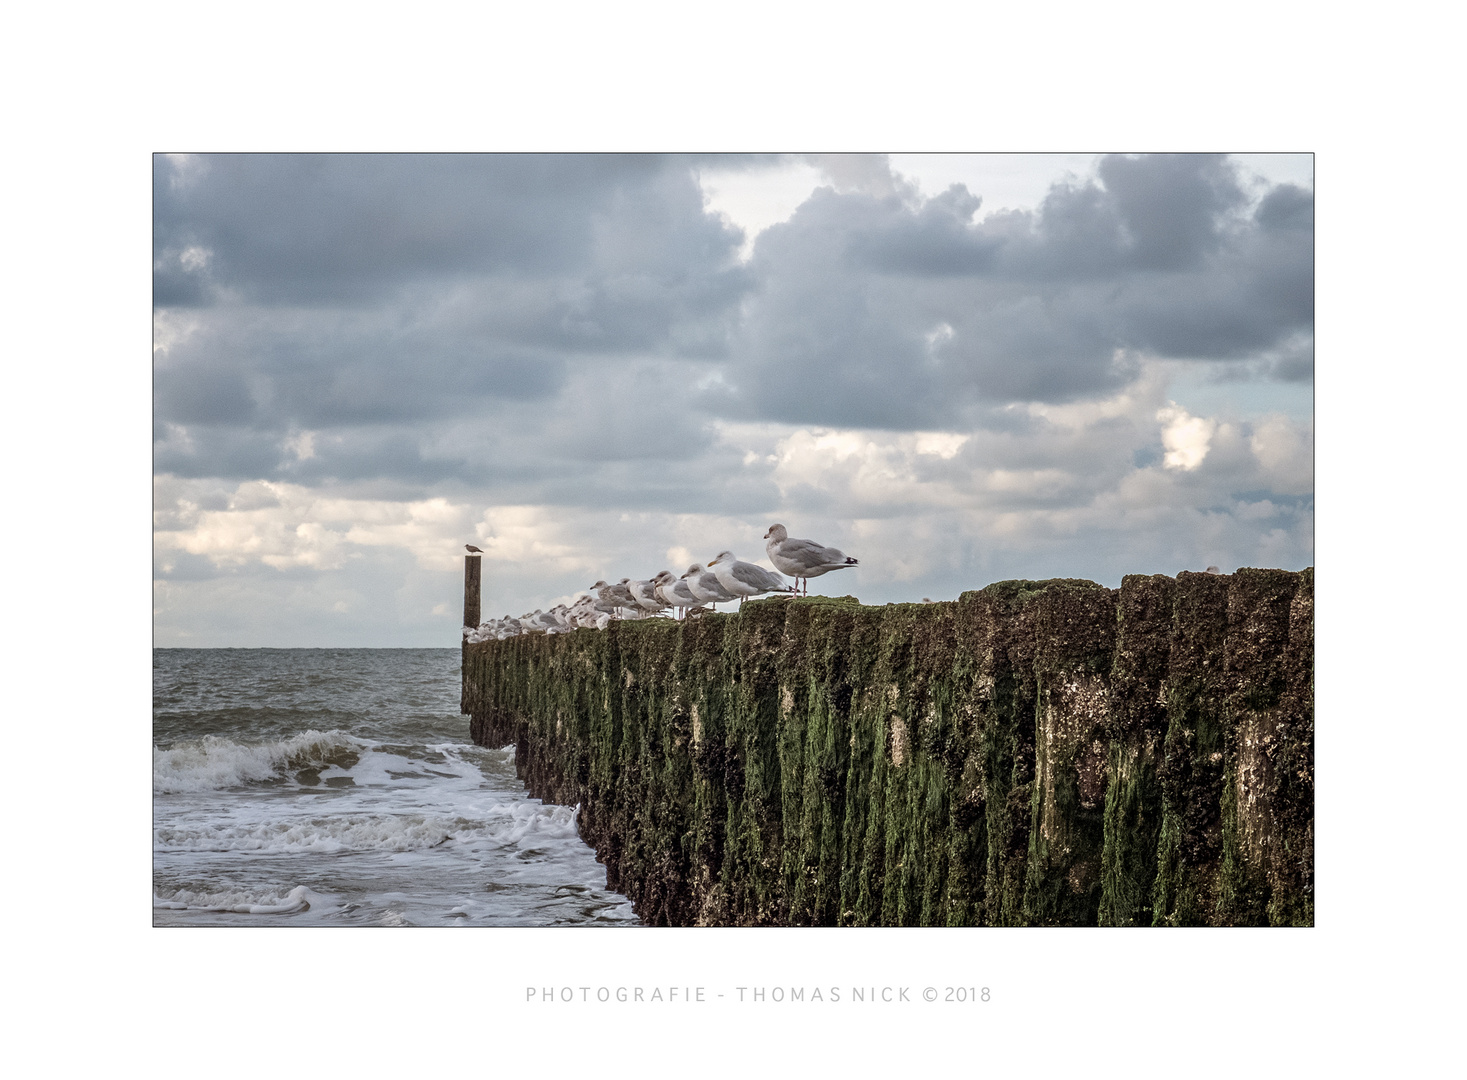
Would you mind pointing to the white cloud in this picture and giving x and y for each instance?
(1187, 438)
(1135, 403)
(286, 526)
(943, 444)
(172, 327)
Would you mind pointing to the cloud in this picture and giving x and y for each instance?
(350, 227)
(286, 526)
(1152, 257)
(1285, 450)
(362, 362)
(1187, 439)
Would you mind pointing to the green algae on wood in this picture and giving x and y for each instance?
(1134, 731)
(1035, 753)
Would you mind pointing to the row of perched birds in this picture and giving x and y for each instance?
(725, 579)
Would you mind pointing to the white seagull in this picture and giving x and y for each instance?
(674, 591)
(704, 585)
(745, 579)
(802, 559)
(647, 600)
(616, 597)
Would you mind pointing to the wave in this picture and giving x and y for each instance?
(517, 824)
(244, 902)
(214, 762)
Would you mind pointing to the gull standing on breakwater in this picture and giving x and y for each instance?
(802, 559)
(675, 592)
(704, 585)
(745, 579)
(616, 597)
(645, 596)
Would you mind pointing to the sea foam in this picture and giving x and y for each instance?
(245, 902)
(214, 763)
(519, 825)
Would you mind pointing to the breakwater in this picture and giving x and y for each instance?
(1033, 753)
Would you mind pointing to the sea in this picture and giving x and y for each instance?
(338, 787)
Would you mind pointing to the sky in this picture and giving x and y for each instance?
(958, 368)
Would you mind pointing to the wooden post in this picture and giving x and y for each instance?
(471, 589)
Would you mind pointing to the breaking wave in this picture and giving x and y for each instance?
(214, 763)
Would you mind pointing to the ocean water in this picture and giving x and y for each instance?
(338, 787)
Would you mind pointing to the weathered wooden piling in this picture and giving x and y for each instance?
(472, 567)
(1034, 753)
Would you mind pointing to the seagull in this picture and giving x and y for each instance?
(646, 599)
(704, 585)
(674, 591)
(617, 594)
(745, 579)
(473, 550)
(802, 559)
(1212, 570)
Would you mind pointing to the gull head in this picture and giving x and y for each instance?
(776, 532)
(723, 556)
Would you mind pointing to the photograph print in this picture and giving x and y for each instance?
(790, 539)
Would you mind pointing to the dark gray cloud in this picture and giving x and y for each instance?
(299, 228)
(881, 312)
(274, 370)
(575, 321)
(563, 358)
(1170, 206)
(373, 299)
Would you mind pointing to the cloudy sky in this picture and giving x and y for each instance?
(959, 369)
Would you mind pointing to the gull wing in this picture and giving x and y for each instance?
(709, 583)
(809, 553)
(756, 577)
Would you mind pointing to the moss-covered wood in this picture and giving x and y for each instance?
(1034, 753)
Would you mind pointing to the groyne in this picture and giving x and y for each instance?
(1033, 753)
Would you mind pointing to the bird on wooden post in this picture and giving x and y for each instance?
(473, 564)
